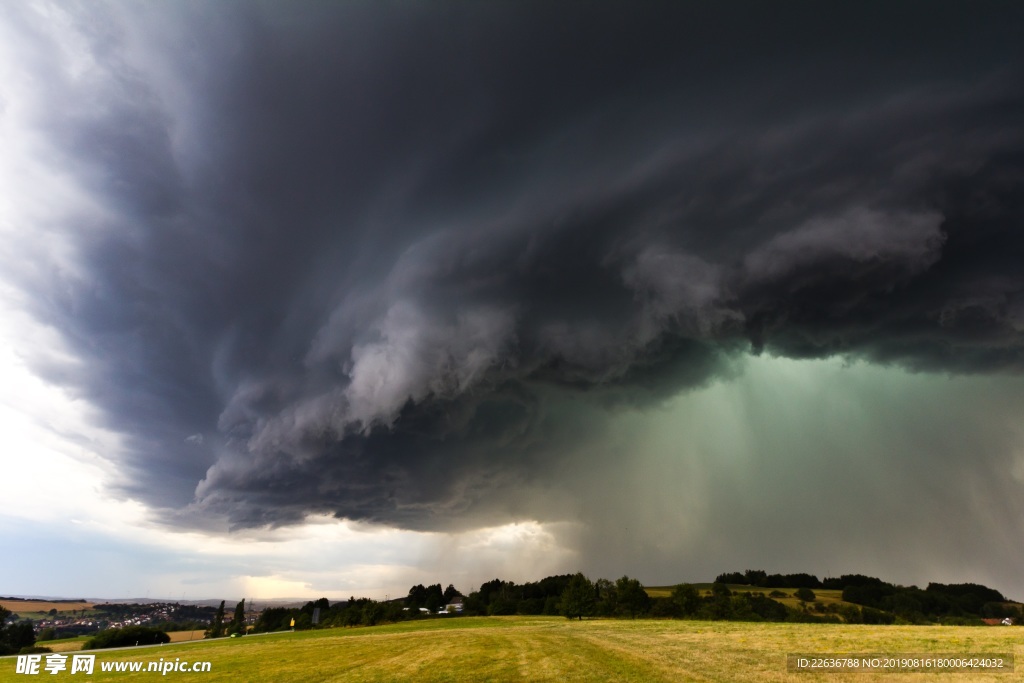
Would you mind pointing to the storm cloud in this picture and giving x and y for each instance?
(415, 264)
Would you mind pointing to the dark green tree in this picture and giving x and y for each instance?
(633, 599)
(578, 597)
(216, 629)
(719, 605)
(238, 622)
(687, 599)
(435, 598)
(755, 577)
(5, 647)
(607, 598)
(373, 613)
(15, 636)
(731, 577)
(417, 597)
(805, 594)
(273, 619)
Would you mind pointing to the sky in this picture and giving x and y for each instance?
(327, 299)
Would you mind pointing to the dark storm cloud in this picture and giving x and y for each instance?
(392, 261)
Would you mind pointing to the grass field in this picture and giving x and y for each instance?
(75, 644)
(555, 649)
(181, 636)
(822, 596)
(64, 644)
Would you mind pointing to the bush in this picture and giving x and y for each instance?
(664, 607)
(805, 594)
(686, 599)
(126, 637)
(34, 650)
(876, 616)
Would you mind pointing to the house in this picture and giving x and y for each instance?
(455, 604)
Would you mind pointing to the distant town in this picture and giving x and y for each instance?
(59, 619)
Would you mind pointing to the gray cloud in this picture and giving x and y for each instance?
(400, 264)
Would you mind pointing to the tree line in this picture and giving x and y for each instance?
(884, 602)
(15, 637)
(235, 627)
(575, 596)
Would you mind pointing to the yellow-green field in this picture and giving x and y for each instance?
(822, 595)
(555, 649)
(64, 644)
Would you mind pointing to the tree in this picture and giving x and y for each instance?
(272, 619)
(607, 597)
(805, 594)
(450, 592)
(719, 606)
(687, 599)
(238, 622)
(373, 612)
(20, 635)
(755, 577)
(417, 596)
(216, 629)
(731, 577)
(632, 596)
(16, 636)
(578, 597)
(435, 598)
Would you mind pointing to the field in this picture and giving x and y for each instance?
(75, 644)
(555, 649)
(180, 636)
(822, 596)
(31, 607)
(64, 644)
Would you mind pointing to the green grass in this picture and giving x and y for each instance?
(555, 649)
(72, 639)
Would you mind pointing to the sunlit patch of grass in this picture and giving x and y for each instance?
(64, 644)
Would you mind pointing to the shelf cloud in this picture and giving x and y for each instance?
(423, 266)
